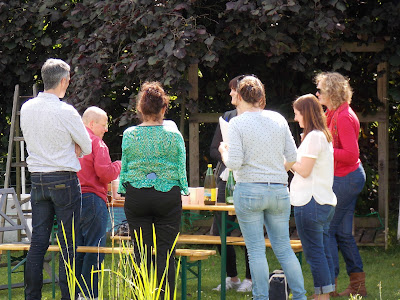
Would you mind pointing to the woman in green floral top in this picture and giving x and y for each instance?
(153, 176)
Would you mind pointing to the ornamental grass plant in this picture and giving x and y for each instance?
(126, 277)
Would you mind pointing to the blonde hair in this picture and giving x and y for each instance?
(336, 86)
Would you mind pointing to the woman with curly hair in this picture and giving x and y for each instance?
(334, 92)
(153, 177)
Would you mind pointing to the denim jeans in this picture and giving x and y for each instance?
(312, 223)
(231, 268)
(256, 205)
(347, 189)
(93, 225)
(53, 193)
(146, 207)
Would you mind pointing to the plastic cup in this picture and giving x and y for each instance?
(200, 195)
(114, 189)
(193, 196)
(185, 200)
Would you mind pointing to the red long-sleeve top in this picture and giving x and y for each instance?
(345, 127)
(97, 169)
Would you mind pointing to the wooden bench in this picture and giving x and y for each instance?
(216, 240)
(189, 259)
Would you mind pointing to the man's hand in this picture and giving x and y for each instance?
(78, 151)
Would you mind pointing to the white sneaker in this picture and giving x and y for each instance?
(246, 286)
(80, 297)
(230, 285)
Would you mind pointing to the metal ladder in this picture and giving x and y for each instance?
(19, 164)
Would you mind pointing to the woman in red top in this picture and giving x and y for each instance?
(334, 92)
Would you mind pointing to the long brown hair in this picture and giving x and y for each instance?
(313, 115)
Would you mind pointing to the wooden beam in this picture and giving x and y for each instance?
(194, 151)
(356, 47)
(205, 118)
(380, 116)
(383, 146)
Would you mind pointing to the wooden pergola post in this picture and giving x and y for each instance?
(193, 79)
(383, 146)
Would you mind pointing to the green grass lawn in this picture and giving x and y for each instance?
(382, 269)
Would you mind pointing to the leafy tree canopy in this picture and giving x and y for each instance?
(113, 46)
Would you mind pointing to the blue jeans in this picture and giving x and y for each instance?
(93, 225)
(312, 223)
(256, 205)
(347, 189)
(53, 193)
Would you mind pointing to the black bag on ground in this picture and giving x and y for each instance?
(278, 286)
(123, 229)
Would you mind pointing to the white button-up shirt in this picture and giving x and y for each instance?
(51, 128)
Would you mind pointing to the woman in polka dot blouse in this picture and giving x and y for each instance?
(259, 143)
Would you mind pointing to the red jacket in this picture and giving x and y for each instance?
(97, 169)
(345, 127)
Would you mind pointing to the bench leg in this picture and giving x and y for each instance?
(188, 267)
(198, 279)
(184, 277)
(300, 257)
(9, 273)
(53, 274)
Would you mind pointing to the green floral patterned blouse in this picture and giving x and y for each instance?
(153, 156)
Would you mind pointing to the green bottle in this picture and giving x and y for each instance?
(229, 188)
(210, 187)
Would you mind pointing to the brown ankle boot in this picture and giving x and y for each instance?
(356, 286)
(334, 293)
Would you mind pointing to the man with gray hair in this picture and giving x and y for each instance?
(97, 171)
(52, 130)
